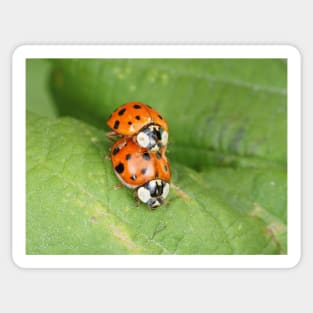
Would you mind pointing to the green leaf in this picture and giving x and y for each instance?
(38, 96)
(220, 112)
(264, 190)
(72, 207)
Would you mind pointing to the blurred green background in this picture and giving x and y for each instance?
(228, 154)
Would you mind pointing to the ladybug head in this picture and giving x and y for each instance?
(153, 193)
(152, 137)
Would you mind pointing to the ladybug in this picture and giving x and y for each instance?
(148, 128)
(147, 173)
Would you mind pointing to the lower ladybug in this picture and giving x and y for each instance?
(137, 168)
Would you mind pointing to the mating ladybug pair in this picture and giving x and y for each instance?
(138, 157)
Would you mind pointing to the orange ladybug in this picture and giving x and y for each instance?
(148, 128)
(137, 168)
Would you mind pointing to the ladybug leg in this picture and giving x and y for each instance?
(120, 146)
(137, 203)
(166, 202)
(137, 199)
(111, 135)
(117, 186)
(123, 143)
(107, 157)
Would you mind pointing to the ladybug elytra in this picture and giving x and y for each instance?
(141, 122)
(139, 169)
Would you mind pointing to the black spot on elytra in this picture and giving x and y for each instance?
(133, 177)
(121, 112)
(165, 168)
(146, 156)
(116, 124)
(116, 150)
(143, 171)
(160, 117)
(158, 155)
(137, 117)
(137, 106)
(129, 123)
(128, 156)
(119, 168)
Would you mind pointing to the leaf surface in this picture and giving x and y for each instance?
(72, 207)
(38, 97)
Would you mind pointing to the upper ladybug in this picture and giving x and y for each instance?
(137, 119)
